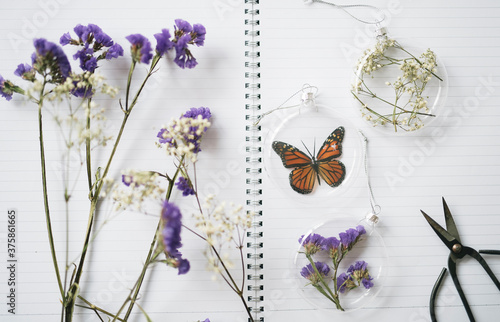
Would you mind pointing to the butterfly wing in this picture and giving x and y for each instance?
(302, 179)
(332, 147)
(290, 155)
(332, 171)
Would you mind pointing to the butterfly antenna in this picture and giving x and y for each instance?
(312, 155)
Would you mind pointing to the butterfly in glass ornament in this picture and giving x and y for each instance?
(308, 169)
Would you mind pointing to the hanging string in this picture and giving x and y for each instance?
(307, 100)
(373, 216)
(353, 6)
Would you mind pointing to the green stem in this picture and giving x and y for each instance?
(87, 151)
(127, 111)
(95, 196)
(333, 296)
(132, 297)
(230, 282)
(95, 308)
(325, 294)
(418, 61)
(46, 195)
(137, 288)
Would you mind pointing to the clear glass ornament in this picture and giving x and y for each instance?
(370, 249)
(399, 87)
(307, 128)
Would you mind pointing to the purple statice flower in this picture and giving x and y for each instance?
(198, 34)
(312, 243)
(21, 69)
(161, 138)
(361, 230)
(194, 112)
(359, 273)
(183, 57)
(4, 90)
(206, 320)
(114, 51)
(182, 265)
(331, 245)
(344, 282)
(25, 71)
(192, 136)
(65, 39)
(83, 55)
(351, 237)
(309, 273)
(367, 282)
(182, 26)
(127, 179)
(87, 34)
(82, 32)
(90, 65)
(163, 42)
(102, 39)
(82, 92)
(348, 237)
(50, 57)
(185, 35)
(95, 45)
(171, 236)
(358, 266)
(141, 48)
(185, 186)
(183, 136)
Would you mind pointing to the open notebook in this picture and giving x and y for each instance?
(257, 55)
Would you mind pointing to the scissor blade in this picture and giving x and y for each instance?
(445, 236)
(450, 223)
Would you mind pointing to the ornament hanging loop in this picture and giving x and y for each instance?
(372, 217)
(346, 8)
(308, 96)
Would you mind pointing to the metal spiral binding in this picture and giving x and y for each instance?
(253, 160)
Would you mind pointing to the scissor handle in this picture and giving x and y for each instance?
(489, 251)
(434, 294)
(483, 263)
(452, 266)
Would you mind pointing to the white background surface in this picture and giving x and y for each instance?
(299, 44)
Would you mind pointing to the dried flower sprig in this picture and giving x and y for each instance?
(221, 225)
(408, 106)
(53, 82)
(320, 274)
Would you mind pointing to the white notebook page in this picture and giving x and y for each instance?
(119, 249)
(317, 44)
(299, 44)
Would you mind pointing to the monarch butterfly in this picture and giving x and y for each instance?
(307, 169)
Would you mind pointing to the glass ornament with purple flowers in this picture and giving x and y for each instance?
(338, 268)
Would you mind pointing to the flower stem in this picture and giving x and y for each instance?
(87, 151)
(46, 195)
(138, 284)
(96, 308)
(149, 257)
(418, 61)
(95, 196)
(333, 297)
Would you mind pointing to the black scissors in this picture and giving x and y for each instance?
(451, 239)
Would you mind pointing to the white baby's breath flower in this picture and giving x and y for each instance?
(223, 225)
(136, 188)
(415, 74)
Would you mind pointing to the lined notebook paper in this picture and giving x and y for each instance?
(257, 55)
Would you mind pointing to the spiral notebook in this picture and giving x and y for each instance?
(258, 55)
